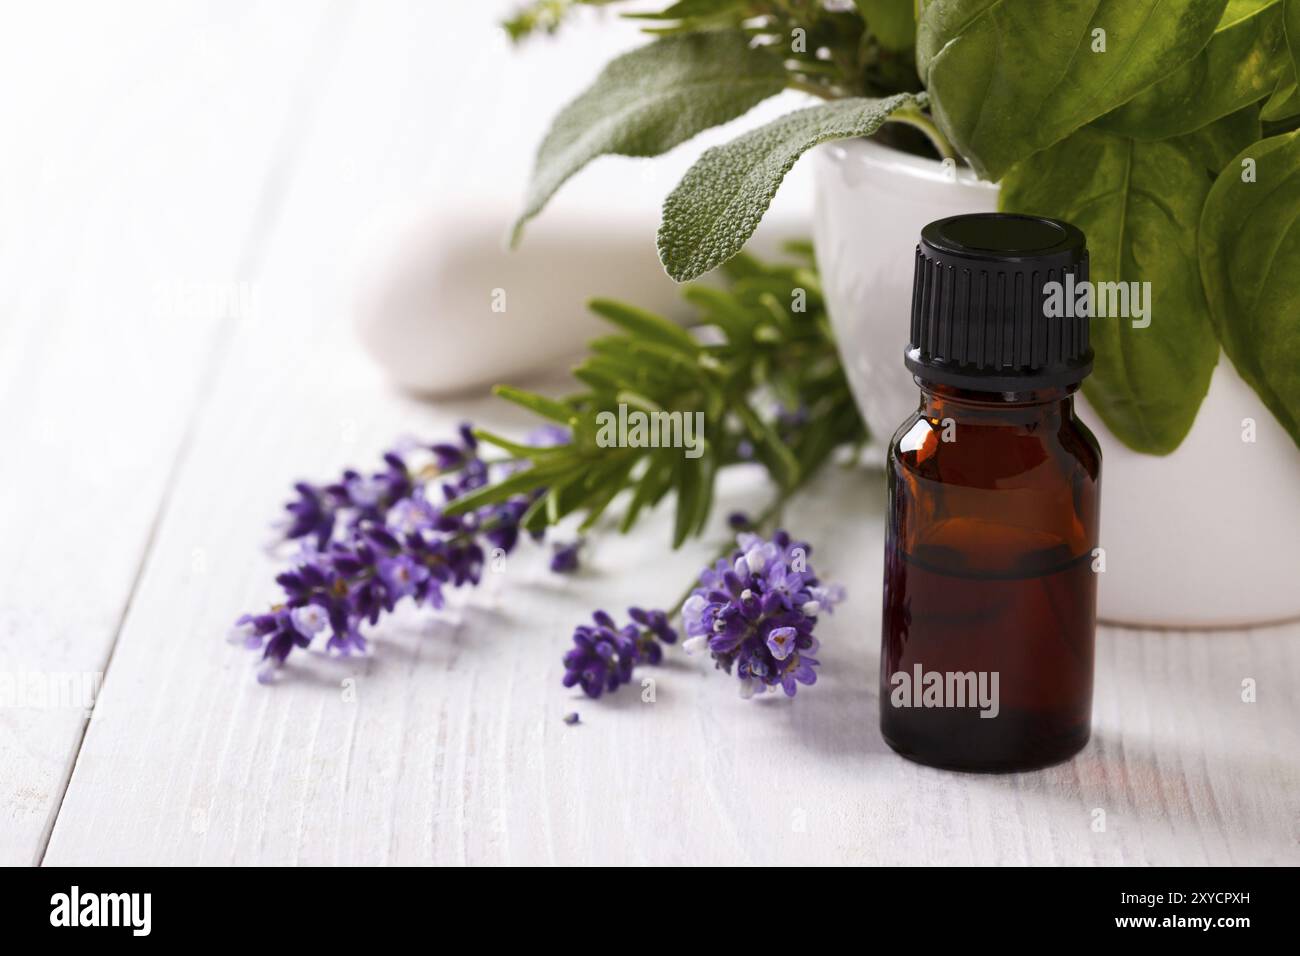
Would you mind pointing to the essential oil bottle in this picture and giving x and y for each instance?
(990, 552)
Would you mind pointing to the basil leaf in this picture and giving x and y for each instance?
(891, 22)
(1291, 25)
(1285, 102)
(1139, 204)
(1010, 77)
(1244, 62)
(1217, 144)
(1250, 263)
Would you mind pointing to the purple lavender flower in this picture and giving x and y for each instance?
(548, 436)
(315, 514)
(739, 521)
(755, 613)
(564, 559)
(604, 654)
(370, 541)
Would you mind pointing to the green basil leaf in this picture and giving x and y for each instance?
(1243, 63)
(1217, 144)
(717, 206)
(649, 100)
(1250, 263)
(1139, 204)
(1010, 77)
(892, 22)
(1285, 102)
(1291, 25)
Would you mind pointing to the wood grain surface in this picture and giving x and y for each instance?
(149, 442)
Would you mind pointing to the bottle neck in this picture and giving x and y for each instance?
(1036, 405)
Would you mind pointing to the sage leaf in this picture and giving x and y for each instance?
(1250, 264)
(1244, 62)
(716, 207)
(1139, 204)
(1010, 77)
(649, 100)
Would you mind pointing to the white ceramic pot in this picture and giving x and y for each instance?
(1204, 537)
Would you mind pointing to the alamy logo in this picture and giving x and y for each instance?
(1098, 299)
(640, 429)
(955, 689)
(102, 909)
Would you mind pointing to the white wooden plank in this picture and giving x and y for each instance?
(454, 751)
(138, 151)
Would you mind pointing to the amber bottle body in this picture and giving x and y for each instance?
(991, 568)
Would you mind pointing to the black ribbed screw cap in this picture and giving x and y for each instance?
(979, 316)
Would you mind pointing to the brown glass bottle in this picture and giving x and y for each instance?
(990, 588)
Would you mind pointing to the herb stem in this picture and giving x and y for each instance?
(767, 516)
(915, 118)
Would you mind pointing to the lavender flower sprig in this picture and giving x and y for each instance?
(370, 541)
(754, 610)
(604, 654)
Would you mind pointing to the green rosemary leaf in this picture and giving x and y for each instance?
(546, 407)
(608, 487)
(538, 476)
(649, 488)
(802, 248)
(777, 353)
(688, 493)
(537, 517)
(725, 311)
(708, 475)
(771, 449)
(516, 450)
(645, 324)
(635, 400)
(636, 354)
(598, 379)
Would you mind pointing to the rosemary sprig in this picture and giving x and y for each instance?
(759, 372)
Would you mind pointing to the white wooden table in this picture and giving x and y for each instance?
(163, 150)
